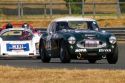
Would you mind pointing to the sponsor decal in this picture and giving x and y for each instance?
(104, 50)
(80, 50)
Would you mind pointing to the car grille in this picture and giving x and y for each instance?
(90, 44)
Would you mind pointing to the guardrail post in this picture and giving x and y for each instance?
(83, 3)
(19, 9)
(45, 10)
(22, 13)
(94, 9)
(118, 8)
(51, 11)
(70, 11)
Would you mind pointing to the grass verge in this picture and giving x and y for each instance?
(25, 75)
(43, 21)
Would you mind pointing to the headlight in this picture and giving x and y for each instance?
(112, 39)
(37, 46)
(72, 40)
(1, 40)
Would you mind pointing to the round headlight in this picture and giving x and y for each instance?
(112, 39)
(72, 40)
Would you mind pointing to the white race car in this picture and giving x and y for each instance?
(19, 42)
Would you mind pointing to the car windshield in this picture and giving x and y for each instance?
(61, 25)
(16, 35)
(92, 25)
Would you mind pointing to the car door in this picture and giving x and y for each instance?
(56, 36)
(50, 40)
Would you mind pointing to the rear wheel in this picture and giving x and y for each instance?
(112, 58)
(45, 58)
(64, 55)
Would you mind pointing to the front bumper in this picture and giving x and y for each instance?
(91, 52)
(99, 50)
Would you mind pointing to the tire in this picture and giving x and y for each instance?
(38, 57)
(45, 58)
(112, 58)
(64, 55)
(92, 61)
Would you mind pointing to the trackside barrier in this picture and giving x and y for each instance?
(118, 32)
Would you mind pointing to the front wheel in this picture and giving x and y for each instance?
(112, 58)
(45, 58)
(64, 55)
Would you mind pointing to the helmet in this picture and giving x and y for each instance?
(9, 25)
(25, 25)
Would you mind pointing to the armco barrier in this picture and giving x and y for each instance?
(118, 32)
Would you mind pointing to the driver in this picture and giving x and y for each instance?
(25, 25)
(9, 25)
(25, 35)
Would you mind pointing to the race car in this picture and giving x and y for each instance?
(19, 42)
(77, 38)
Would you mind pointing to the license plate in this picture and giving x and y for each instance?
(17, 47)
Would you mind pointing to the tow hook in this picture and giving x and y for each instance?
(80, 56)
(104, 56)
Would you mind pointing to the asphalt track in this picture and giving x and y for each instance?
(75, 64)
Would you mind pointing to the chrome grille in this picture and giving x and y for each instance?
(91, 43)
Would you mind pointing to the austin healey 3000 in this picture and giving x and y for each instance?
(77, 38)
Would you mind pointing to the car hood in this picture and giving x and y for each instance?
(86, 34)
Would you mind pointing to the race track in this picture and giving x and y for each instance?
(75, 64)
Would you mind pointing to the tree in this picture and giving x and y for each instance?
(75, 5)
(122, 0)
(122, 6)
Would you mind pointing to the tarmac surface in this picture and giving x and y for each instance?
(75, 64)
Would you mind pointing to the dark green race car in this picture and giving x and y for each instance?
(77, 38)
